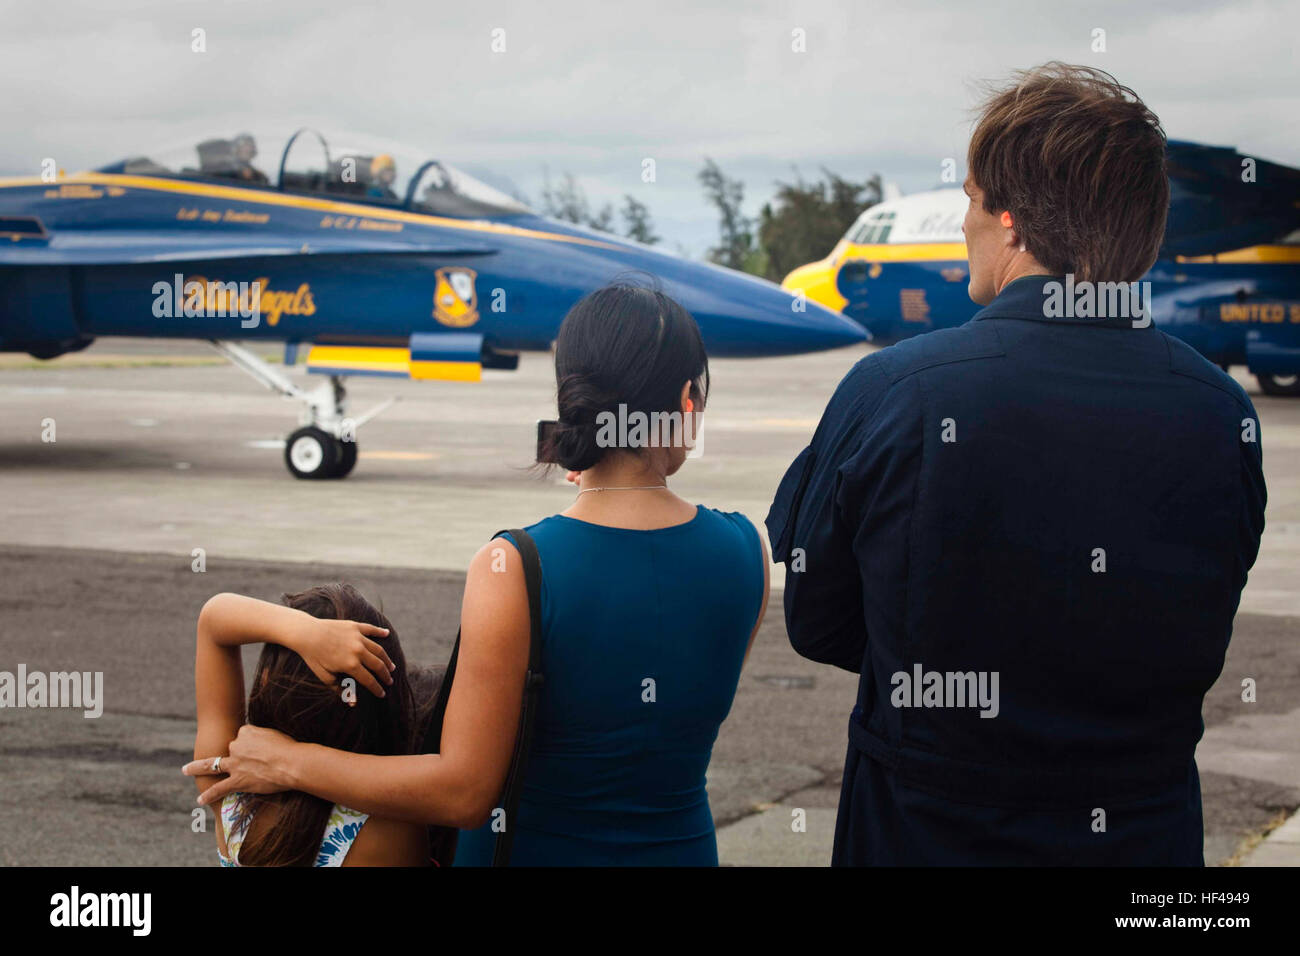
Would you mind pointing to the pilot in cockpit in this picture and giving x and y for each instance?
(383, 173)
(245, 150)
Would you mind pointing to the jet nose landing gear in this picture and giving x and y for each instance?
(326, 444)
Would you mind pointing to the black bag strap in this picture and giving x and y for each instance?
(533, 680)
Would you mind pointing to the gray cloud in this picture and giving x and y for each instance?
(593, 88)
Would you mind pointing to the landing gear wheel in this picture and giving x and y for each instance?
(1286, 385)
(347, 451)
(312, 453)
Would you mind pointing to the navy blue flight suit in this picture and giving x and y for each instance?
(1070, 505)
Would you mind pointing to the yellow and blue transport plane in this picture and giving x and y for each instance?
(1227, 280)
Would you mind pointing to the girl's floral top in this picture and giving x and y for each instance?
(341, 830)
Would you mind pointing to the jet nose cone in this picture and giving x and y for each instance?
(744, 316)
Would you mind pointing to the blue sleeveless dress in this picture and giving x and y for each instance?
(643, 636)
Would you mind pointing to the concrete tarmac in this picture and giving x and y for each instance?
(98, 530)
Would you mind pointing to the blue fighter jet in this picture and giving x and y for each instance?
(383, 261)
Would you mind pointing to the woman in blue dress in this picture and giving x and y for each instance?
(649, 606)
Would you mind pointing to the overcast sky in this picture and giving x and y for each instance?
(595, 88)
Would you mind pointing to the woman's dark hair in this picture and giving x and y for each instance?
(624, 344)
(286, 696)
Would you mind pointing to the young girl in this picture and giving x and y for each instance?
(332, 672)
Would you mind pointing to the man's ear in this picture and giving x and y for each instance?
(1012, 237)
(684, 399)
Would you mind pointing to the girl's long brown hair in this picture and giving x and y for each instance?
(288, 697)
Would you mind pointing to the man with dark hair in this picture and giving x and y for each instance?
(1029, 535)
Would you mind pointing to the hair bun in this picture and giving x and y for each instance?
(573, 441)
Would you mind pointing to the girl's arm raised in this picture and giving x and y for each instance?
(457, 787)
(229, 621)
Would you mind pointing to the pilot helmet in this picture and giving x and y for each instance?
(381, 163)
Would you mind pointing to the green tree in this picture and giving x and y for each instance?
(568, 203)
(603, 220)
(636, 221)
(804, 220)
(737, 248)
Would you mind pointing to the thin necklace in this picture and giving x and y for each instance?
(624, 488)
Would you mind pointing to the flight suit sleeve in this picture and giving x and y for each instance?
(1254, 495)
(810, 536)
